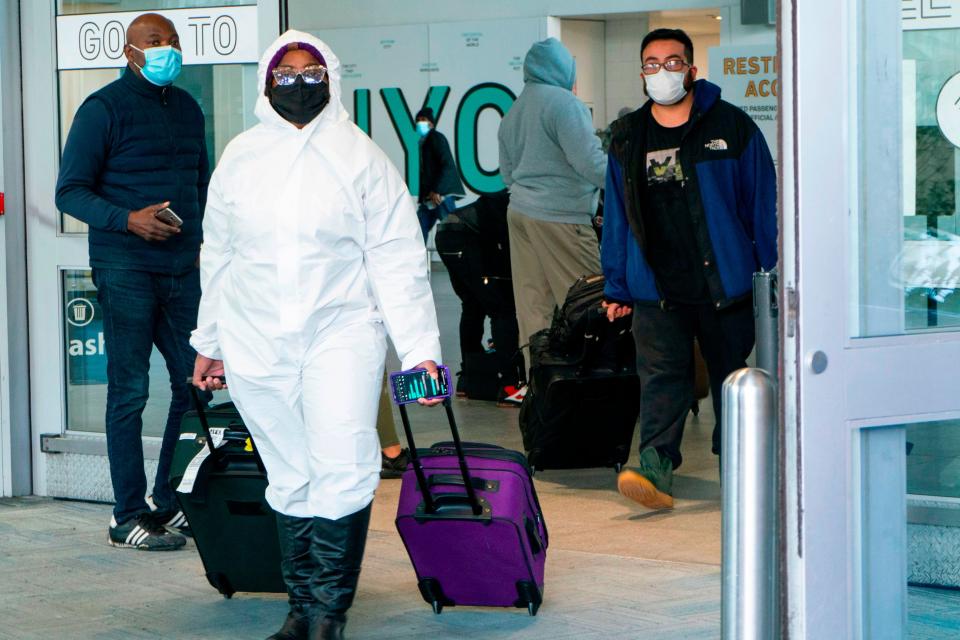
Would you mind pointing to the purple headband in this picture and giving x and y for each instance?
(309, 48)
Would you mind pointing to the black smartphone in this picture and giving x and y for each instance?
(410, 386)
(167, 216)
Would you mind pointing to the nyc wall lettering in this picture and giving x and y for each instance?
(468, 72)
(466, 127)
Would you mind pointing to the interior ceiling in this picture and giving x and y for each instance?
(693, 21)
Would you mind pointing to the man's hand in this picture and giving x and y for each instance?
(435, 198)
(431, 368)
(615, 310)
(145, 224)
(206, 372)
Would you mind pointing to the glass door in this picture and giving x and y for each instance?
(83, 52)
(869, 276)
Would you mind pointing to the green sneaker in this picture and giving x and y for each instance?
(651, 484)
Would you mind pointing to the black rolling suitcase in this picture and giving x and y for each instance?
(219, 481)
(583, 401)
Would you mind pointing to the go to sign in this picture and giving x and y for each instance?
(218, 35)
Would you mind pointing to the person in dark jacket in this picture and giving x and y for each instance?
(439, 179)
(689, 216)
(137, 147)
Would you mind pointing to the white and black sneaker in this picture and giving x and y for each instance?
(174, 521)
(143, 532)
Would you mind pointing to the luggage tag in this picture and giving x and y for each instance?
(190, 473)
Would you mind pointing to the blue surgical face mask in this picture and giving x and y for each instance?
(423, 128)
(162, 65)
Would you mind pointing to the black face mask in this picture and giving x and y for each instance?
(299, 102)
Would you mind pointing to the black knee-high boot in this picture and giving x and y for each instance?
(298, 569)
(337, 550)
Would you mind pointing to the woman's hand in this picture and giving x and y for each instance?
(208, 374)
(431, 368)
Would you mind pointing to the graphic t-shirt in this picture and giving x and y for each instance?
(672, 249)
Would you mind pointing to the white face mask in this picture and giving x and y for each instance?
(666, 87)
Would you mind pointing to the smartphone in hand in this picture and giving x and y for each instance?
(410, 386)
(167, 216)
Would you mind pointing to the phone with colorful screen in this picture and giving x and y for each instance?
(410, 386)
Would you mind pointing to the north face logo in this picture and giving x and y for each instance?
(717, 145)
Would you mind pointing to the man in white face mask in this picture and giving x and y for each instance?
(689, 216)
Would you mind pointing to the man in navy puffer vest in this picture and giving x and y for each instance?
(136, 147)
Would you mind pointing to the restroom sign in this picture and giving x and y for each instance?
(210, 35)
(749, 77)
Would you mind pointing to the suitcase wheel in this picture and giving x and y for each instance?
(220, 582)
(433, 594)
(529, 597)
(695, 408)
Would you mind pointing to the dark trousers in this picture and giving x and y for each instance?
(493, 299)
(665, 365)
(141, 309)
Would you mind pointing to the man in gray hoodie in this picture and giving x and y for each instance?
(552, 162)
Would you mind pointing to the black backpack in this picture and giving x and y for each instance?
(581, 335)
(566, 336)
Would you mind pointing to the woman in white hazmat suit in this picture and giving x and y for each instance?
(311, 246)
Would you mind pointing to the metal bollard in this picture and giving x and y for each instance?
(749, 596)
(765, 313)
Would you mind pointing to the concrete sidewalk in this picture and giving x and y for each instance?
(61, 580)
(614, 569)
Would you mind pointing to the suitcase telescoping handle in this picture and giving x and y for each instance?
(429, 503)
(201, 413)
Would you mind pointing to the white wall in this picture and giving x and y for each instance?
(15, 455)
(732, 32)
(624, 88)
(420, 60)
(618, 46)
(333, 14)
(5, 446)
(585, 40)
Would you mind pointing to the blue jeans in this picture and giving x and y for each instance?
(141, 309)
(428, 217)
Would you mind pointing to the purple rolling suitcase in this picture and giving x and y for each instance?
(472, 524)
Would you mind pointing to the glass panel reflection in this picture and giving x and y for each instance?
(929, 263)
(86, 357)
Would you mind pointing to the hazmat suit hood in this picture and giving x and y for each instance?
(549, 62)
(331, 114)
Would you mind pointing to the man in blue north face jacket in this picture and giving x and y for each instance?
(137, 146)
(689, 216)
